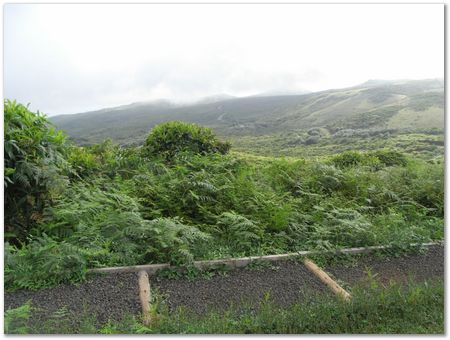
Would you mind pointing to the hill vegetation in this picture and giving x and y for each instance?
(182, 197)
(337, 117)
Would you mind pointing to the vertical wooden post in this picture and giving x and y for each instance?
(325, 278)
(145, 296)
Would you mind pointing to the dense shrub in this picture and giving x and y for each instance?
(34, 167)
(83, 162)
(375, 159)
(238, 232)
(121, 208)
(390, 157)
(353, 158)
(168, 139)
(42, 263)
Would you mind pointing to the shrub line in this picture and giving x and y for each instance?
(244, 261)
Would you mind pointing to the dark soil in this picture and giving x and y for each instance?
(418, 268)
(108, 297)
(114, 296)
(286, 283)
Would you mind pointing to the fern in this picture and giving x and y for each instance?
(238, 232)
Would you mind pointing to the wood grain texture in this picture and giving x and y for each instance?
(326, 279)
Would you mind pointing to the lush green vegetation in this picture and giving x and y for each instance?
(415, 309)
(74, 208)
(427, 144)
(34, 165)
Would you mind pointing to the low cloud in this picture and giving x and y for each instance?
(74, 58)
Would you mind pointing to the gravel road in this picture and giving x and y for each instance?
(114, 296)
(110, 296)
(419, 268)
(286, 283)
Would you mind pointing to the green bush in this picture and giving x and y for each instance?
(354, 158)
(34, 168)
(390, 157)
(42, 263)
(109, 229)
(83, 162)
(168, 139)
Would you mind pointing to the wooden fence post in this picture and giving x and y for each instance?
(326, 279)
(145, 297)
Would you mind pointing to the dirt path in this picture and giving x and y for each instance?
(286, 283)
(114, 296)
(108, 297)
(420, 267)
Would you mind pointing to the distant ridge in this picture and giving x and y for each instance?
(400, 104)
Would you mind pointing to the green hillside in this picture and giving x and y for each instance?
(374, 106)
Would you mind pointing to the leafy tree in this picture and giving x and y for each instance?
(168, 139)
(34, 167)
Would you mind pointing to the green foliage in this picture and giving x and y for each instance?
(82, 161)
(425, 144)
(42, 263)
(120, 208)
(238, 232)
(337, 227)
(107, 159)
(168, 139)
(177, 242)
(375, 159)
(205, 207)
(108, 227)
(390, 157)
(193, 273)
(16, 319)
(34, 167)
(354, 158)
(416, 309)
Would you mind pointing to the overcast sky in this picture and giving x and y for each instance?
(73, 58)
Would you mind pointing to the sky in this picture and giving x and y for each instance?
(69, 58)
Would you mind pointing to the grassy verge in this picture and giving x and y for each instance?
(416, 308)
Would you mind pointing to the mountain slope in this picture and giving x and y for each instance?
(413, 105)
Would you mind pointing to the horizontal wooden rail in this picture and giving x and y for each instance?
(244, 261)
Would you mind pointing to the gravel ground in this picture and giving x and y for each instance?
(114, 296)
(420, 267)
(286, 283)
(108, 297)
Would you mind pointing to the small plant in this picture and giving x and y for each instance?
(261, 265)
(16, 319)
(193, 273)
